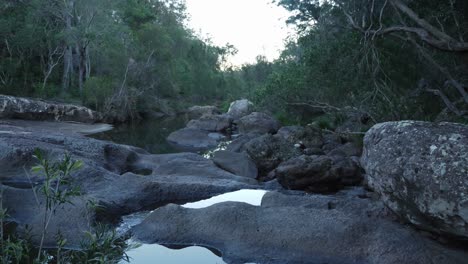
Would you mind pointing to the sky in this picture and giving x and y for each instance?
(254, 27)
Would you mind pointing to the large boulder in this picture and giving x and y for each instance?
(258, 123)
(190, 139)
(212, 123)
(297, 229)
(34, 109)
(269, 151)
(237, 163)
(240, 108)
(317, 173)
(195, 112)
(119, 179)
(421, 171)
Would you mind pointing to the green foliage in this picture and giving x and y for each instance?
(101, 246)
(333, 63)
(96, 91)
(138, 46)
(56, 188)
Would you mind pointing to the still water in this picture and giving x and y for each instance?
(149, 134)
(149, 254)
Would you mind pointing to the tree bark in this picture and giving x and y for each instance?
(68, 55)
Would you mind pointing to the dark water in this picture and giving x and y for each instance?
(149, 134)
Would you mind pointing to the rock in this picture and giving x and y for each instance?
(313, 151)
(296, 229)
(119, 179)
(317, 173)
(331, 142)
(195, 112)
(238, 144)
(355, 121)
(421, 171)
(347, 169)
(190, 139)
(240, 108)
(60, 127)
(258, 123)
(34, 109)
(269, 151)
(347, 150)
(308, 137)
(312, 173)
(236, 163)
(212, 123)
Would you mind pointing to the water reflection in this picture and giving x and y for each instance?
(253, 197)
(149, 254)
(149, 134)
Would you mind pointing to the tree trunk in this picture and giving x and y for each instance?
(68, 55)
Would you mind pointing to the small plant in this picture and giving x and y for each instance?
(56, 188)
(102, 245)
(12, 249)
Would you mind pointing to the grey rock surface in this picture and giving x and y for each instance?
(237, 163)
(308, 137)
(190, 139)
(240, 108)
(296, 229)
(35, 109)
(317, 173)
(269, 151)
(120, 179)
(257, 122)
(421, 171)
(212, 123)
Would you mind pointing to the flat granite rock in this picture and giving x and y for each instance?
(297, 229)
(120, 179)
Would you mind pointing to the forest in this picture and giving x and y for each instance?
(126, 136)
(390, 59)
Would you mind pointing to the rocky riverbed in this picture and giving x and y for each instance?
(400, 198)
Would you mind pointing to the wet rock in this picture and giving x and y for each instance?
(421, 171)
(237, 163)
(212, 123)
(35, 109)
(191, 139)
(296, 229)
(195, 112)
(240, 108)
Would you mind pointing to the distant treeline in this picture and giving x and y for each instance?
(391, 59)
